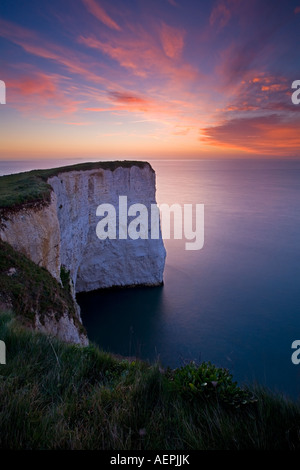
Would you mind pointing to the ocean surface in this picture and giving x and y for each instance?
(235, 302)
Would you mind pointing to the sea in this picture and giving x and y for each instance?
(236, 301)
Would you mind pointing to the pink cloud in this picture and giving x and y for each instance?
(84, 123)
(42, 93)
(75, 63)
(256, 45)
(260, 92)
(40, 84)
(126, 56)
(100, 110)
(172, 41)
(173, 3)
(140, 53)
(220, 15)
(63, 57)
(126, 98)
(236, 62)
(154, 109)
(297, 10)
(14, 32)
(95, 9)
(131, 102)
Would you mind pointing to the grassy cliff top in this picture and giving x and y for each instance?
(31, 187)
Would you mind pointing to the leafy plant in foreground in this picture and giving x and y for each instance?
(206, 381)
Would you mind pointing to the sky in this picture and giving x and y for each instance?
(149, 79)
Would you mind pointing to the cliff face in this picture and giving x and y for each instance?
(95, 263)
(62, 233)
(34, 231)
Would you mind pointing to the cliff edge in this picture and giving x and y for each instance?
(50, 217)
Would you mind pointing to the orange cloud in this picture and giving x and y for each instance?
(95, 9)
(270, 135)
(274, 87)
(181, 130)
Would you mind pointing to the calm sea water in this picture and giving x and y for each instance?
(235, 302)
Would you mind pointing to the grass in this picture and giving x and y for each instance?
(59, 396)
(31, 187)
(31, 290)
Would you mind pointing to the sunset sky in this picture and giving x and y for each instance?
(149, 78)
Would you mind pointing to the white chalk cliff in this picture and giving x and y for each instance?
(63, 232)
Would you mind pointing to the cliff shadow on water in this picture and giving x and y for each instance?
(124, 321)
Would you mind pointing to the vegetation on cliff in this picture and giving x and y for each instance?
(31, 291)
(31, 187)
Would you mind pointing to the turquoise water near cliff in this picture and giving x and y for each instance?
(235, 302)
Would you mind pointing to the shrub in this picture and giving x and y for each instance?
(206, 381)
